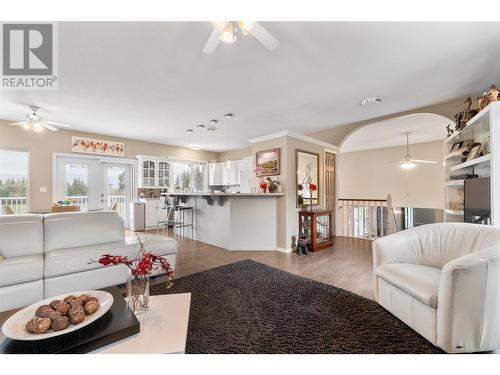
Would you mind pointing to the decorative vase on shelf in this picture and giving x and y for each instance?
(138, 293)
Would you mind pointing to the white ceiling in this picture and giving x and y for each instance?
(150, 81)
(422, 127)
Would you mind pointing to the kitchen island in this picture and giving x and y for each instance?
(233, 221)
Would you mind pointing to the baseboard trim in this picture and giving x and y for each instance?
(284, 250)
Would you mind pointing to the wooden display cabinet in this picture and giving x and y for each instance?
(316, 225)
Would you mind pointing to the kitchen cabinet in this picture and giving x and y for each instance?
(153, 172)
(215, 174)
(236, 172)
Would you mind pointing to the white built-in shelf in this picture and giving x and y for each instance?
(453, 155)
(455, 183)
(453, 212)
(478, 124)
(470, 163)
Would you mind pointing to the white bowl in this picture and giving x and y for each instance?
(15, 327)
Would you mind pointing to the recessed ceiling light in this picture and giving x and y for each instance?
(189, 131)
(213, 121)
(201, 126)
(211, 128)
(370, 100)
(229, 115)
(195, 147)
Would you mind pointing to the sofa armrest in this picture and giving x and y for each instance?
(400, 247)
(468, 314)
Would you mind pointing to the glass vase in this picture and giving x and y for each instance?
(138, 294)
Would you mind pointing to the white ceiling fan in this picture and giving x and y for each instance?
(226, 31)
(35, 123)
(408, 162)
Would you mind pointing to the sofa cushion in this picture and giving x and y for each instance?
(78, 229)
(79, 259)
(20, 270)
(156, 244)
(21, 235)
(420, 282)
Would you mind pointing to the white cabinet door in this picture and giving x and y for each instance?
(215, 174)
(240, 168)
(233, 173)
(148, 173)
(151, 214)
(224, 174)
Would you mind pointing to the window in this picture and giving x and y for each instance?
(14, 187)
(188, 176)
(77, 184)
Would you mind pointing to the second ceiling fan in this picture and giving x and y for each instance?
(408, 162)
(226, 31)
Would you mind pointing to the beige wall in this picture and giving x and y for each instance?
(235, 154)
(287, 207)
(370, 175)
(294, 144)
(42, 145)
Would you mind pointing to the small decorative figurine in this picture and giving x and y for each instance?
(302, 246)
(449, 130)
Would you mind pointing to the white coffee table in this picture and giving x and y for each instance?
(163, 328)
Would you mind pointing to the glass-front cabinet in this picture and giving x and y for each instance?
(154, 173)
(316, 226)
(163, 174)
(148, 173)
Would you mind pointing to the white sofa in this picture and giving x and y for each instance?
(443, 280)
(50, 255)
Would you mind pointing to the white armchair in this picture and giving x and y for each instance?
(443, 280)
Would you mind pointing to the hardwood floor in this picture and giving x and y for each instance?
(347, 264)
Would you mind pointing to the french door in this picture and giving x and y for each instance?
(94, 184)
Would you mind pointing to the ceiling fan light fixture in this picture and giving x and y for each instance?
(37, 127)
(227, 35)
(408, 165)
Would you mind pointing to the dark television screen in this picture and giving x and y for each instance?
(477, 200)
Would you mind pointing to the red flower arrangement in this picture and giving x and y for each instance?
(263, 186)
(145, 263)
(313, 187)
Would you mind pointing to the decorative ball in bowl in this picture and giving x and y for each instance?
(57, 315)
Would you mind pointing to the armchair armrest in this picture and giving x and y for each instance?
(468, 313)
(400, 247)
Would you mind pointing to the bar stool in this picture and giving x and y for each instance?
(181, 219)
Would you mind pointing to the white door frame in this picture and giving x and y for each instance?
(100, 159)
(103, 193)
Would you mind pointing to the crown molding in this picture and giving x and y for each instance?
(292, 134)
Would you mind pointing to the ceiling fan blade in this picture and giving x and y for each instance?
(49, 127)
(212, 42)
(56, 124)
(263, 36)
(18, 123)
(424, 161)
(397, 161)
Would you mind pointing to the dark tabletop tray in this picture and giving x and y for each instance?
(118, 323)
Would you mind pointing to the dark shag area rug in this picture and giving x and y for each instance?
(248, 307)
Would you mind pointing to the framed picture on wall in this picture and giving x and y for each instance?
(268, 162)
